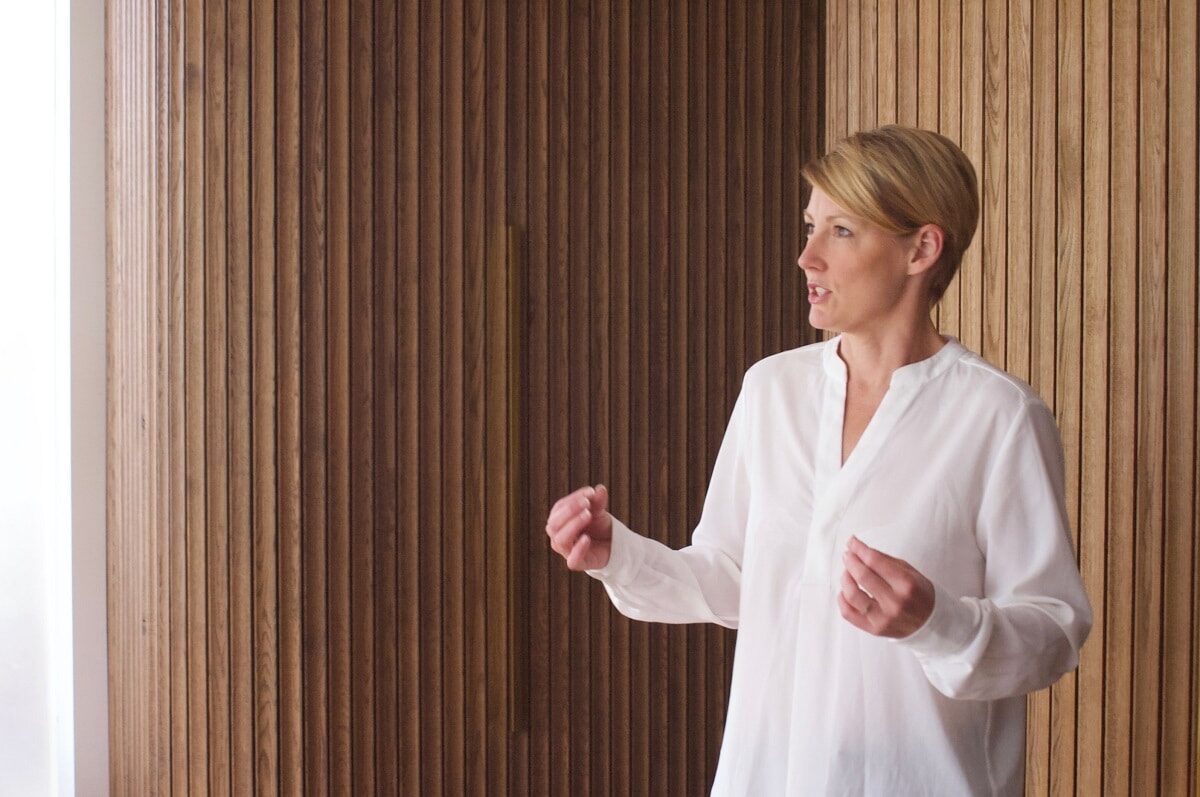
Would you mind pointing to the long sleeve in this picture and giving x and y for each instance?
(649, 581)
(1028, 629)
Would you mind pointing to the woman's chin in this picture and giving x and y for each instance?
(817, 319)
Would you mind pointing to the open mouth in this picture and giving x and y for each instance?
(817, 294)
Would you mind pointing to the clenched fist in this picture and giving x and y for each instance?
(580, 528)
(881, 594)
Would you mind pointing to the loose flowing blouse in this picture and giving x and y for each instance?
(959, 473)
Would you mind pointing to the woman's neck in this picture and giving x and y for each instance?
(872, 356)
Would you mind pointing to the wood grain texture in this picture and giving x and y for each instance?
(309, 211)
(1176, 755)
(1081, 121)
(314, 269)
(1093, 456)
(1122, 309)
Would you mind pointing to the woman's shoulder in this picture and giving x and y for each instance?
(790, 363)
(988, 383)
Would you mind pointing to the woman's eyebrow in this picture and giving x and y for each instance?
(843, 216)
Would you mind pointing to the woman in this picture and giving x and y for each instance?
(885, 524)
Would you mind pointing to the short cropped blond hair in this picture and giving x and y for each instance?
(900, 179)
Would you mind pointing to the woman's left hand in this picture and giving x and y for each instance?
(881, 594)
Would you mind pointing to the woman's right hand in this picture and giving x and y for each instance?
(580, 528)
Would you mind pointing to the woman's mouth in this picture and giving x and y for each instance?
(817, 294)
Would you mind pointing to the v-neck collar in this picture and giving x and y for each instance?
(835, 481)
(905, 375)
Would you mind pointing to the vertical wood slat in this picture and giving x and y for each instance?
(620, 483)
(1019, 209)
(855, 65)
(382, 548)
(515, 170)
(677, 45)
(1042, 310)
(641, 716)
(287, 297)
(1177, 757)
(1083, 283)
(888, 74)
(331, 182)
(599, 376)
(663, 691)
(216, 435)
(313, 409)
(699, 641)
(1122, 308)
(264, 521)
(993, 184)
(429, 371)
(575, 27)
(907, 44)
(716, 376)
(1069, 278)
(194, 338)
(927, 75)
(364, 261)
(950, 125)
(452, 395)
(1093, 464)
(408, 206)
(537, 19)
(338, 407)
(474, 191)
(973, 87)
(560, 310)
(1151, 372)
(162, 275)
(497, 392)
(175, 389)
(1148, 564)
(239, 401)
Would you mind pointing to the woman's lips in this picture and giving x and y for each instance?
(817, 294)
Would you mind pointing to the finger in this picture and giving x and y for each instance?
(568, 506)
(853, 616)
(600, 500)
(565, 538)
(867, 578)
(889, 568)
(582, 546)
(860, 600)
(573, 497)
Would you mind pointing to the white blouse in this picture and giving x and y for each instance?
(960, 473)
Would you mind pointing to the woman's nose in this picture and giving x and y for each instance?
(808, 259)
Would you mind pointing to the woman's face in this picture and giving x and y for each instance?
(858, 273)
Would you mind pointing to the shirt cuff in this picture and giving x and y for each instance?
(624, 559)
(948, 630)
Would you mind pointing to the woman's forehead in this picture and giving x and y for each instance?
(821, 206)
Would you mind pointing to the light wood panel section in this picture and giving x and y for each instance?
(314, 213)
(1081, 121)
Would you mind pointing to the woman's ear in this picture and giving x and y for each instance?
(928, 248)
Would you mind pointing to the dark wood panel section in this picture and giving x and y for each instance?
(314, 209)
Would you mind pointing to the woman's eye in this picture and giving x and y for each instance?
(841, 231)
(808, 229)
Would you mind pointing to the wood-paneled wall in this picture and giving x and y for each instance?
(308, 210)
(1081, 119)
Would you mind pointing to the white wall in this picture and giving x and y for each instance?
(53, 679)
